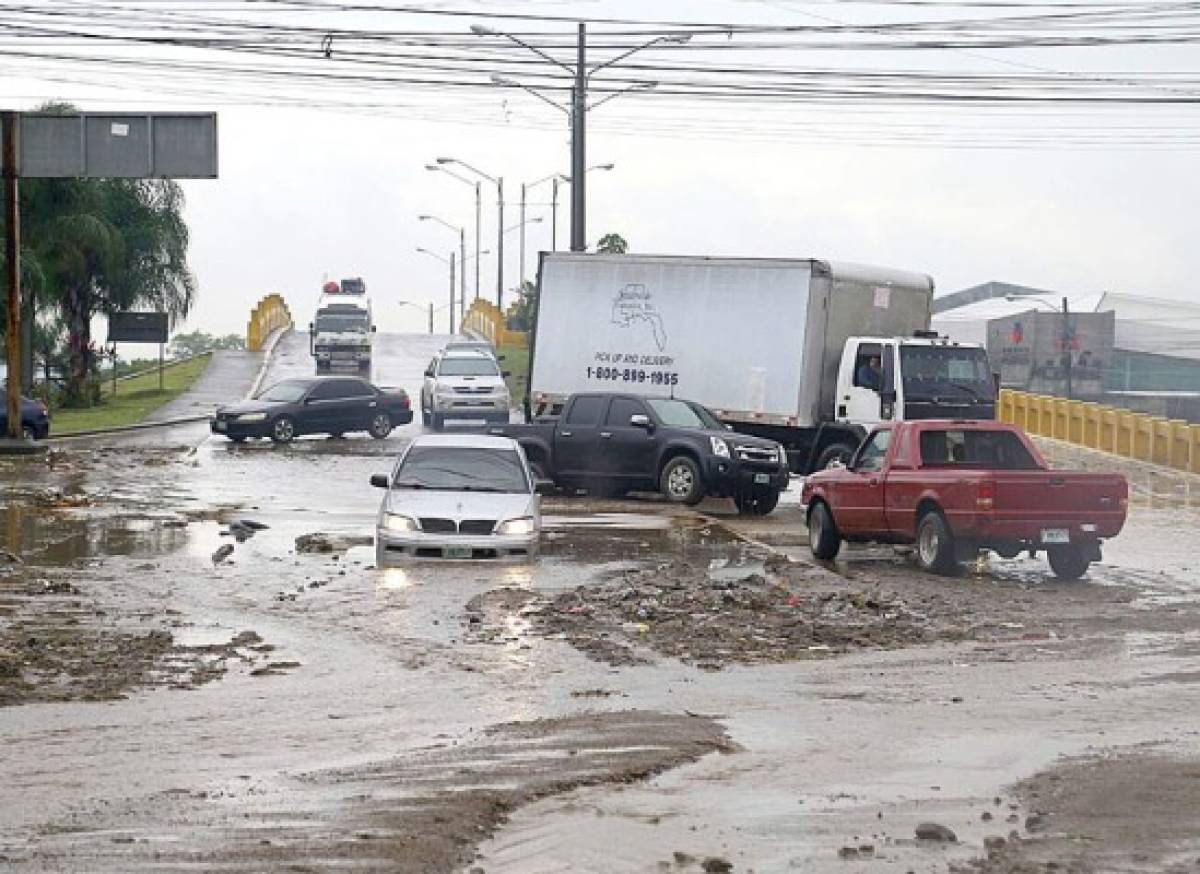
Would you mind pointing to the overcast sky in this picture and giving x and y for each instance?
(310, 193)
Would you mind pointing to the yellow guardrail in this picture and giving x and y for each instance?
(1155, 439)
(271, 313)
(485, 319)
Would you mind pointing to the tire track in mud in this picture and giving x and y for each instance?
(424, 811)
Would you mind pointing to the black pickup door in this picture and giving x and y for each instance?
(576, 436)
(626, 451)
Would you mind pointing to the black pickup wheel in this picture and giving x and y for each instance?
(681, 482)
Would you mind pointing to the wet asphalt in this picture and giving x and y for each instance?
(847, 751)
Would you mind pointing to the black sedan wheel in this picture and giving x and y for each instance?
(381, 425)
(283, 430)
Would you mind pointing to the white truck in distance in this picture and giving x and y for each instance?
(340, 334)
(808, 353)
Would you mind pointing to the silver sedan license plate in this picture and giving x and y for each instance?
(761, 479)
(457, 552)
(1056, 535)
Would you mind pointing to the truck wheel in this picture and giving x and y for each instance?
(823, 537)
(681, 482)
(437, 421)
(381, 426)
(756, 503)
(935, 544)
(1067, 562)
(834, 452)
(283, 430)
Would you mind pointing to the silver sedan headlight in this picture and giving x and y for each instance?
(517, 527)
(252, 417)
(400, 524)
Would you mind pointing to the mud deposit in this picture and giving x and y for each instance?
(680, 610)
(1122, 812)
(421, 812)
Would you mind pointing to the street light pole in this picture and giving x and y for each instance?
(500, 245)
(453, 258)
(579, 147)
(521, 261)
(1066, 346)
(554, 215)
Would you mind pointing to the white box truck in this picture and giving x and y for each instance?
(805, 352)
(340, 334)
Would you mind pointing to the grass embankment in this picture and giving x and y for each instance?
(135, 399)
(514, 360)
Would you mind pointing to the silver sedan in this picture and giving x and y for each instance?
(458, 497)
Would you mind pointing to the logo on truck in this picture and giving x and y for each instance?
(633, 306)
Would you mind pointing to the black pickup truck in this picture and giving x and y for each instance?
(610, 444)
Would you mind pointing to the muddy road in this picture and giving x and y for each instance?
(664, 690)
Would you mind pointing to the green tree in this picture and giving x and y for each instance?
(522, 315)
(101, 246)
(612, 244)
(199, 342)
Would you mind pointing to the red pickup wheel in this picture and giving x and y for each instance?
(1067, 562)
(935, 544)
(823, 537)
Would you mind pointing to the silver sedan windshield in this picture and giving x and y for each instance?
(462, 469)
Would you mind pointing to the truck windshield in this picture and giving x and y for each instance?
(930, 371)
(997, 450)
(681, 414)
(468, 367)
(342, 323)
(462, 469)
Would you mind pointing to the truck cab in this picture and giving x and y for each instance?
(340, 333)
(894, 379)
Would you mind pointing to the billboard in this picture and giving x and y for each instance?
(1032, 351)
(118, 144)
(136, 327)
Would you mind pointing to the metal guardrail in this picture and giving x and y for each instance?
(485, 319)
(1168, 442)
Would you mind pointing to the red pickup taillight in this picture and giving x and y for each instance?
(985, 496)
(404, 401)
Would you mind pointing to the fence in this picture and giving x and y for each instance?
(484, 318)
(1155, 439)
(271, 313)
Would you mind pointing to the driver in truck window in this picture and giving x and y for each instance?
(869, 374)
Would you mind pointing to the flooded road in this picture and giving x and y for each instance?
(663, 690)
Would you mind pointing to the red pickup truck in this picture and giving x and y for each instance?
(953, 488)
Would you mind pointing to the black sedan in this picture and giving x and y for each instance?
(35, 418)
(330, 405)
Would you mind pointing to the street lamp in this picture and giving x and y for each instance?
(474, 183)
(554, 179)
(462, 259)
(498, 181)
(1064, 334)
(579, 107)
(449, 261)
(409, 303)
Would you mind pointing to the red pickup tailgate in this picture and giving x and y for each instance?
(1026, 501)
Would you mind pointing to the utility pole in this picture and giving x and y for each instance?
(500, 246)
(462, 273)
(431, 317)
(554, 215)
(1067, 359)
(521, 262)
(12, 254)
(452, 287)
(478, 233)
(579, 147)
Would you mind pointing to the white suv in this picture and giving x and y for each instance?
(464, 385)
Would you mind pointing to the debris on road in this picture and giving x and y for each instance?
(326, 543)
(932, 831)
(679, 610)
(222, 553)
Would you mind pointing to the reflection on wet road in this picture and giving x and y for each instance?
(299, 695)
